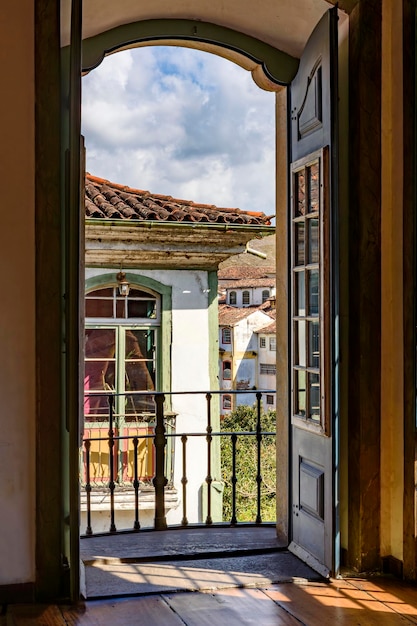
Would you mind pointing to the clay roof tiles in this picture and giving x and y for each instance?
(111, 201)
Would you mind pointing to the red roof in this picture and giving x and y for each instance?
(238, 272)
(230, 315)
(111, 201)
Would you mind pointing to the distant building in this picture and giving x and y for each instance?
(239, 363)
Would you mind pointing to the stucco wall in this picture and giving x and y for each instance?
(17, 313)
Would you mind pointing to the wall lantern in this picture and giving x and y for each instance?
(124, 286)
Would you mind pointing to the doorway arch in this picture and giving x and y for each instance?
(272, 70)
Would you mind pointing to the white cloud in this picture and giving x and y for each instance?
(181, 122)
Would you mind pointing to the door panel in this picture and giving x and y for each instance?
(313, 99)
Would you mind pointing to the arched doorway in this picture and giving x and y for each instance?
(311, 115)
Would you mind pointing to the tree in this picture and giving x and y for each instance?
(244, 420)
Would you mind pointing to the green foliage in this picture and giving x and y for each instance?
(244, 419)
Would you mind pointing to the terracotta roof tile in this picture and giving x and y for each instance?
(238, 272)
(107, 200)
(249, 282)
(230, 315)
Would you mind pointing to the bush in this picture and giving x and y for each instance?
(242, 419)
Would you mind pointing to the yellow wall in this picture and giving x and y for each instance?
(17, 312)
(392, 415)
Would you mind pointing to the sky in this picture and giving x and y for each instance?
(183, 123)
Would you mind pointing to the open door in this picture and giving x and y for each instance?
(313, 171)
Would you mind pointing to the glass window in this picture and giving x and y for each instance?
(272, 344)
(109, 303)
(232, 298)
(226, 335)
(120, 358)
(227, 402)
(269, 399)
(268, 368)
(265, 295)
(227, 370)
(262, 342)
(245, 298)
(307, 298)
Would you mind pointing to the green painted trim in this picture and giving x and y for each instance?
(165, 329)
(278, 67)
(213, 330)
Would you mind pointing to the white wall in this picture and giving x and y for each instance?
(255, 294)
(17, 309)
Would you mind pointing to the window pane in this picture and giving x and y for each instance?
(232, 297)
(300, 304)
(299, 244)
(99, 372)
(314, 397)
(246, 297)
(300, 343)
(313, 292)
(299, 193)
(313, 187)
(314, 344)
(313, 240)
(300, 392)
(139, 369)
(141, 308)
(98, 308)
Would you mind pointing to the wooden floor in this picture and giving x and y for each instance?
(376, 601)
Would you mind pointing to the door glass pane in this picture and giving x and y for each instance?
(300, 197)
(299, 243)
(300, 392)
(300, 343)
(300, 304)
(139, 369)
(313, 187)
(313, 292)
(100, 368)
(313, 240)
(314, 345)
(314, 397)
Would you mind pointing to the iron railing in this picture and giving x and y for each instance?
(153, 447)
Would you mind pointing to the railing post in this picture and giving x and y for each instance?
(136, 525)
(184, 480)
(258, 458)
(111, 464)
(89, 530)
(209, 478)
(233, 521)
(160, 481)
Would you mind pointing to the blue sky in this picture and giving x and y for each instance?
(183, 123)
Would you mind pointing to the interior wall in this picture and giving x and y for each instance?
(17, 310)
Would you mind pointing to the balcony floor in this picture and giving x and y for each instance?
(192, 559)
(239, 577)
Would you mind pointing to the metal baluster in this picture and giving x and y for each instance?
(136, 525)
(233, 521)
(160, 480)
(89, 530)
(258, 452)
(111, 463)
(184, 480)
(209, 478)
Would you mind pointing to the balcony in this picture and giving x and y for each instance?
(151, 473)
